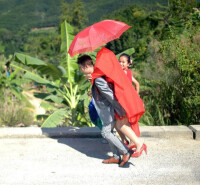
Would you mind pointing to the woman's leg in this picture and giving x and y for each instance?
(123, 126)
(122, 136)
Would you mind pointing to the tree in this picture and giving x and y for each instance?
(180, 8)
(65, 12)
(74, 14)
(79, 16)
(144, 26)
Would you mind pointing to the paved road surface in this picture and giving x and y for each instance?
(77, 161)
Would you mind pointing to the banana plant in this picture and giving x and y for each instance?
(10, 81)
(61, 82)
(129, 51)
(70, 65)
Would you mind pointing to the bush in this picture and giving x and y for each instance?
(13, 112)
(171, 77)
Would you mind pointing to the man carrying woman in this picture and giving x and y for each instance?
(113, 96)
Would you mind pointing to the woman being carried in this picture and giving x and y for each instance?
(125, 61)
(107, 65)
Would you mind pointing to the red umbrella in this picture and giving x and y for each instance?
(96, 35)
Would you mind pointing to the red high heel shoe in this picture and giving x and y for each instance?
(138, 154)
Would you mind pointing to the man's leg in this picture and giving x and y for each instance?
(114, 142)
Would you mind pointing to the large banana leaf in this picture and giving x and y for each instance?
(27, 60)
(36, 78)
(54, 98)
(48, 106)
(68, 62)
(129, 51)
(56, 72)
(54, 119)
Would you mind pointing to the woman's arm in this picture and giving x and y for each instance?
(137, 85)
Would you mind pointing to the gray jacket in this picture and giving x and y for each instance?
(105, 101)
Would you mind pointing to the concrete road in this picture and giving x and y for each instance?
(77, 161)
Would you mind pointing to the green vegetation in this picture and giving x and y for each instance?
(167, 60)
(14, 107)
(17, 18)
(14, 112)
(62, 94)
(75, 15)
(31, 13)
(171, 80)
(164, 41)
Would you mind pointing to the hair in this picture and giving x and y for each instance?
(85, 59)
(127, 56)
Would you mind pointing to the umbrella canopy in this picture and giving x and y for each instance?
(96, 35)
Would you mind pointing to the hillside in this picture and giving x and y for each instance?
(34, 13)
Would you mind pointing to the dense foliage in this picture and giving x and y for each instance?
(165, 36)
(14, 107)
(62, 99)
(19, 19)
(167, 59)
(15, 14)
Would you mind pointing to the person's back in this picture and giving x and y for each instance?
(105, 101)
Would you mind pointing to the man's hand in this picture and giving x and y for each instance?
(90, 93)
(89, 77)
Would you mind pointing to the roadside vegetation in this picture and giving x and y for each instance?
(163, 43)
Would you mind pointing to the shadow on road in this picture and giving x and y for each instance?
(77, 139)
(92, 147)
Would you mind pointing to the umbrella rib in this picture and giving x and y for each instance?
(108, 40)
(103, 42)
(90, 39)
(118, 33)
(89, 36)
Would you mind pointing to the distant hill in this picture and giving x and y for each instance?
(30, 13)
(45, 13)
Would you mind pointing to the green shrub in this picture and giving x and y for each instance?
(171, 77)
(13, 112)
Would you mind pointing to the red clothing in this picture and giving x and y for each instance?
(129, 74)
(135, 127)
(107, 65)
